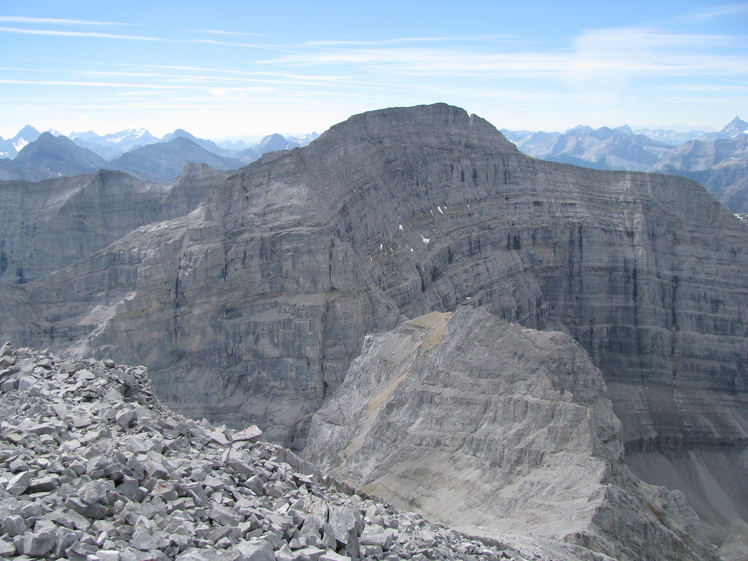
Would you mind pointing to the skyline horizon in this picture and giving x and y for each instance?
(679, 128)
(237, 68)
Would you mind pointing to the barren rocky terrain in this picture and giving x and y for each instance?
(250, 307)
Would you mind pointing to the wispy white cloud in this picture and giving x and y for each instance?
(222, 77)
(400, 40)
(713, 12)
(237, 33)
(77, 34)
(160, 86)
(623, 53)
(99, 35)
(22, 19)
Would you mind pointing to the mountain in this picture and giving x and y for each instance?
(108, 152)
(122, 141)
(163, 162)
(719, 162)
(50, 224)
(734, 129)
(670, 137)
(274, 142)
(252, 307)
(302, 140)
(245, 155)
(527, 140)
(208, 145)
(9, 171)
(159, 483)
(602, 148)
(54, 156)
(481, 424)
(9, 148)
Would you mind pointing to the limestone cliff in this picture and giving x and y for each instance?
(250, 308)
(50, 224)
(478, 422)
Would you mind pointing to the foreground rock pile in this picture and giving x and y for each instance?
(92, 467)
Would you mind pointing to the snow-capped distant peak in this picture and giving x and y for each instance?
(19, 144)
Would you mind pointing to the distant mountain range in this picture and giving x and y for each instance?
(602, 148)
(34, 156)
(719, 161)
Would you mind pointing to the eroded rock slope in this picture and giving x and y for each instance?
(93, 467)
(478, 422)
(251, 307)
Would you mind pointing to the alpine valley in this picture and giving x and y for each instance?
(532, 352)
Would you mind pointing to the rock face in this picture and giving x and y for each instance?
(478, 422)
(250, 308)
(92, 466)
(48, 225)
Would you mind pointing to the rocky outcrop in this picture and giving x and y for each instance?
(478, 422)
(48, 225)
(93, 466)
(273, 281)
(250, 308)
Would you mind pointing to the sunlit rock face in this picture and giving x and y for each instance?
(495, 427)
(251, 307)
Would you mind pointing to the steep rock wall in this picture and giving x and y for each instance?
(50, 224)
(251, 307)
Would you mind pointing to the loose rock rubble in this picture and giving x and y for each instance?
(93, 467)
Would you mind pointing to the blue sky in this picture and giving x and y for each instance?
(235, 68)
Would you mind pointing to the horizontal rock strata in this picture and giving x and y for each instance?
(478, 422)
(250, 308)
(92, 467)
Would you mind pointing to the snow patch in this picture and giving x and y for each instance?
(400, 227)
(426, 240)
(440, 209)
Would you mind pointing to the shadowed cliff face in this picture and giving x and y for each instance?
(251, 307)
(50, 224)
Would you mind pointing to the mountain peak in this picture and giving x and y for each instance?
(28, 133)
(734, 128)
(178, 133)
(272, 143)
(436, 122)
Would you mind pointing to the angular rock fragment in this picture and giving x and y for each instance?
(18, 483)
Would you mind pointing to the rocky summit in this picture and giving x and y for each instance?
(250, 308)
(94, 468)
